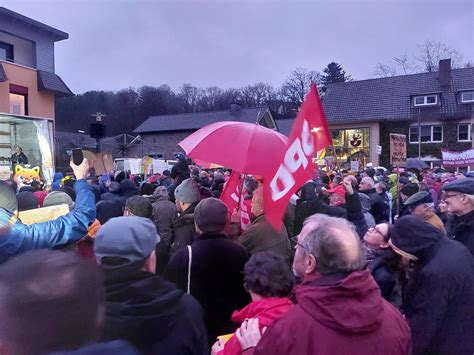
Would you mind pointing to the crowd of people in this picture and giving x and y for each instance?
(366, 262)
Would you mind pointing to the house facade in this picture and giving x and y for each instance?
(160, 135)
(434, 111)
(28, 87)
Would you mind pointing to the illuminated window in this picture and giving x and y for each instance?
(18, 104)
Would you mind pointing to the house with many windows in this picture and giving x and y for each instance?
(434, 111)
(28, 88)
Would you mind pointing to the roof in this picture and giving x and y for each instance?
(52, 82)
(56, 34)
(196, 120)
(285, 125)
(3, 75)
(390, 98)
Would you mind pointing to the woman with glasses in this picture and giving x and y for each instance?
(382, 261)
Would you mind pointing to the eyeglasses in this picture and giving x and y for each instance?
(375, 229)
(296, 243)
(445, 197)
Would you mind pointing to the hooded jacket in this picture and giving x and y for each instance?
(438, 299)
(267, 310)
(164, 214)
(114, 208)
(20, 238)
(152, 314)
(338, 314)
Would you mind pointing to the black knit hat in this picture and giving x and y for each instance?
(210, 215)
(412, 236)
(139, 206)
(410, 189)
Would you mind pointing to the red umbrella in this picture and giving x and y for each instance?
(244, 147)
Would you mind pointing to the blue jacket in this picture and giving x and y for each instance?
(63, 230)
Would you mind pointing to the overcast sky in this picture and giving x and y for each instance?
(130, 43)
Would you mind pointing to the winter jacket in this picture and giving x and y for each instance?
(184, 230)
(115, 207)
(164, 214)
(338, 314)
(464, 231)
(151, 313)
(378, 208)
(216, 279)
(383, 273)
(438, 299)
(180, 171)
(20, 238)
(352, 211)
(261, 236)
(267, 310)
(307, 208)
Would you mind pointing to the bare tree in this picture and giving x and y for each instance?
(426, 60)
(384, 70)
(257, 95)
(406, 66)
(191, 95)
(296, 86)
(432, 52)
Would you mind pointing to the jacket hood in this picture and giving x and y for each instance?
(161, 194)
(267, 310)
(138, 301)
(128, 188)
(351, 304)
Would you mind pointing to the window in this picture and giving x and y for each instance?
(429, 134)
(425, 100)
(6, 51)
(18, 104)
(467, 96)
(464, 132)
(18, 100)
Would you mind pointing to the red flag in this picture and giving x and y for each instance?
(309, 135)
(229, 196)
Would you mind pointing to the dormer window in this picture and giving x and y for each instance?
(425, 100)
(467, 97)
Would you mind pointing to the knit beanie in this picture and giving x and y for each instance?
(187, 191)
(210, 215)
(27, 201)
(56, 198)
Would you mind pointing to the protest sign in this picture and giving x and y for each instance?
(458, 159)
(43, 214)
(398, 149)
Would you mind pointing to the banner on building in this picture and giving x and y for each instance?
(398, 149)
(458, 159)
